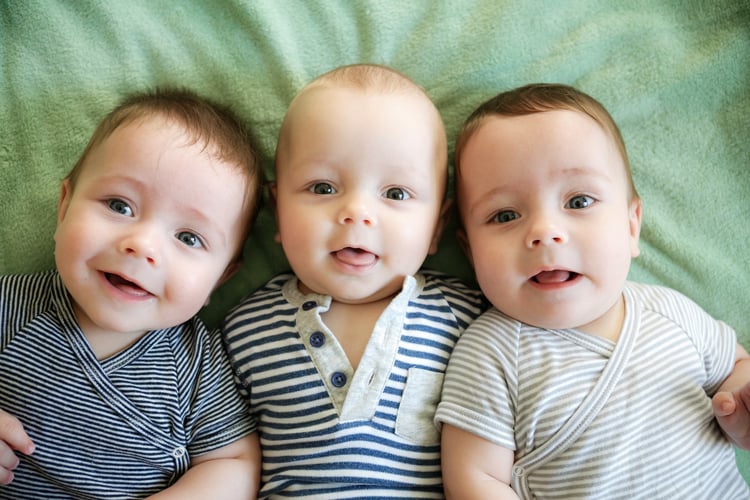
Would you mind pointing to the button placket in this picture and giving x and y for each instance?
(325, 352)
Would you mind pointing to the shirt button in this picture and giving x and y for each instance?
(518, 471)
(317, 339)
(310, 304)
(338, 379)
(178, 452)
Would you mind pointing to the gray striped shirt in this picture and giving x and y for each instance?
(589, 418)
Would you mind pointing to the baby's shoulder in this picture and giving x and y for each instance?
(464, 300)
(265, 302)
(672, 305)
(25, 297)
(450, 285)
(28, 293)
(660, 299)
(268, 291)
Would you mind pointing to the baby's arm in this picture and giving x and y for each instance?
(232, 471)
(12, 437)
(731, 403)
(474, 467)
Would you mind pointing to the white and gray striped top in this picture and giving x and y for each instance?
(123, 427)
(589, 418)
(327, 431)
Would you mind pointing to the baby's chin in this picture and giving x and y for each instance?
(353, 293)
(540, 317)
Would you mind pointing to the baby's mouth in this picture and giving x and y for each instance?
(125, 285)
(355, 256)
(554, 277)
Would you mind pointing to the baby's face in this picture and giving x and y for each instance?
(549, 225)
(148, 230)
(360, 179)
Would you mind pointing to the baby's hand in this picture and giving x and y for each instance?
(12, 437)
(732, 412)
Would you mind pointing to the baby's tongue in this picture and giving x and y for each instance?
(546, 277)
(355, 257)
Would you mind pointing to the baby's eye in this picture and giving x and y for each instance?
(322, 188)
(396, 193)
(580, 201)
(119, 206)
(504, 216)
(190, 239)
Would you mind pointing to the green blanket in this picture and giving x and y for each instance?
(674, 74)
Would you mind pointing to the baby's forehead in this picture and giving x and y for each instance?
(324, 100)
(142, 125)
(316, 95)
(542, 127)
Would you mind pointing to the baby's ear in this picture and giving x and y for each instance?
(635, 213)
(463, 242)
(445, 213)
(66, 191)
(230, 271)
(272, 188)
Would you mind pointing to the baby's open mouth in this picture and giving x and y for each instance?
(355, 256)
(125, 285)
(556, 276)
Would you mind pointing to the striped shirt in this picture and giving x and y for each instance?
(330, 432)
(122, 427)
(577, 431)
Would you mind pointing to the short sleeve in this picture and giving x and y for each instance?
(714, 341)
(480, 390)
(217, 413)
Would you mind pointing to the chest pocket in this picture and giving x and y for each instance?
(416, 411)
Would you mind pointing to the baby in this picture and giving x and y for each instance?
(578, 383)
(118, 390)
(342, 362)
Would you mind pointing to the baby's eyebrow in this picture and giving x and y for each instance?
(582, 171)
(203, 223)
(119, 180)
(488, 196)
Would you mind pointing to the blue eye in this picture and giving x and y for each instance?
(579, 201)
(190, 239)
(504, 216)
(396, 193)
(119, 206)
(322, 188)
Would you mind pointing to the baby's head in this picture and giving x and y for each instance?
(154, 215)
(538, 98)
(549, 212)
(207, 124)
(361, 172)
